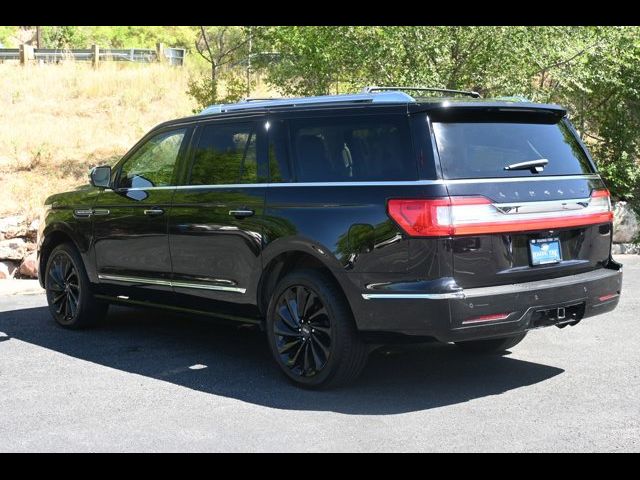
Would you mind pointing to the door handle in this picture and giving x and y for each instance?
(241, 213)
(153, 212)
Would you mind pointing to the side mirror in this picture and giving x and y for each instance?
(100, 176)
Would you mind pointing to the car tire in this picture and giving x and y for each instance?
(492, 345)
(71, 301)
(311, 332)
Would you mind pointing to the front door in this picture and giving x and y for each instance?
(130, 220)
(215, 225)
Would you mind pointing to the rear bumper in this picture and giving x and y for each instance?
(457, 316)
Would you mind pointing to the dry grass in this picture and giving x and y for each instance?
(57, 121)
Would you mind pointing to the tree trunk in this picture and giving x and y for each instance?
(214, 83)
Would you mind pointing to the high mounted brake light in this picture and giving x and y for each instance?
(450, 216)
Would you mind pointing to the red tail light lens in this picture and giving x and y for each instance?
(478, 215)
(419, 218)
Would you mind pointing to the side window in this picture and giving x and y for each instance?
(226, 154)
(153, 163)
(278, 153)
(371, 148)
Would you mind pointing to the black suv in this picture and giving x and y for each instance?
(338, 223)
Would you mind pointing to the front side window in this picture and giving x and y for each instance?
(226, 154)
(363, 148)
(153, 163)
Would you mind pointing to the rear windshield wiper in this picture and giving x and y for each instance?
(536, 166)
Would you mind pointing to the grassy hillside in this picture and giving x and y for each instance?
(57, 121)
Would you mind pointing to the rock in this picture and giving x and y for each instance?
(29, 266)
(7, 269)
(4, 271)
(625, 223)
(625, 248)
(13, 249)
(32, 230)
(13, 226)
(31, 247)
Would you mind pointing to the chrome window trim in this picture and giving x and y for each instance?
(170, 283)
(376, 184)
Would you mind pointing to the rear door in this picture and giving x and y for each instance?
(216, 221)
(518, 221)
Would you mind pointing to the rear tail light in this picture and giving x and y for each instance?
(451, 216)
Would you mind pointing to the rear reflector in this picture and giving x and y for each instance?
(451, 216)
(604, 298)
(487, 318)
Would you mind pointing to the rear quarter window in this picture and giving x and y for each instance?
(484, 149)
(367, 148)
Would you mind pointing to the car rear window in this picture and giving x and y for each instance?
(484, 149)
(362, 148)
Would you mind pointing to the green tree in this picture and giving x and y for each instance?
(222, 48)
(6, 34)
(63, 37)
(145, 36)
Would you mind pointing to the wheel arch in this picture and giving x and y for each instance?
(53, 237)
(279, 262)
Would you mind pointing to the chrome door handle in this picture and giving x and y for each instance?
(153, 212)
(241, 213)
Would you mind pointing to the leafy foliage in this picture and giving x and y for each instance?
(224, 49)
(141, 36)
(5, 36)
(118, 36)
(62, 37)
(202, 89)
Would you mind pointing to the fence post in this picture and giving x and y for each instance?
(26, 54)
(95, 59)
(160, 53)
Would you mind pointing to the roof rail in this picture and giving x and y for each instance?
(362, 97)
(260, 99)
(420, 89)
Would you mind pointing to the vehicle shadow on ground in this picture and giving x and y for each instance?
(238, 364)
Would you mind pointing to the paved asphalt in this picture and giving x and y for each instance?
(149, 381)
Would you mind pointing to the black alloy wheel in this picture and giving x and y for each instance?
(303, 331)
(311, 331)
(63, 287)
(69, 295)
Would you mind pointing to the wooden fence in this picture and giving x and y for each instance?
(27, 54)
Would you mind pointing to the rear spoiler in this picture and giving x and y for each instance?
(493, 111)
